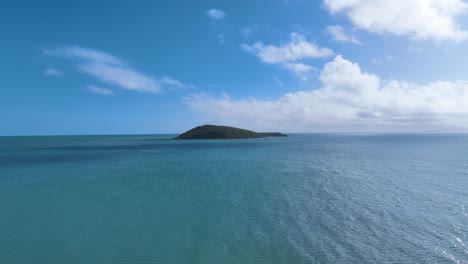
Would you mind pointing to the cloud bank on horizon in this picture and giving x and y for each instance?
(348, 100)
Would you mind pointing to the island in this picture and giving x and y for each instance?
(225, 132)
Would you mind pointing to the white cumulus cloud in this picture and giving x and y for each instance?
(298, 48)
(289, 54)
(418, 19)
(111, 70)
(215, 14)
(338, 33)
(348, 100)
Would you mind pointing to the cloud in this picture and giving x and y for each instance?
(98, 90)
(111, 70)
(221, 39)
(247, 32)
(215, 14)
(74, 52)
(121, 77)
(172, 82)
(299, 68)
(52, 72)
(382, 60)
(298, 48)
(418, 19)
(338, 33)
(278, 82)
(348, 100)
(288, 54)
(415, 49)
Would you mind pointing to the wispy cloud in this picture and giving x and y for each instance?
(382, 60)
(416, 49)
(122, 77)
(99, 90)
(278, 81)
(348, 100)
(249, 31)
(215, 14)
(418, 19)
(110, 69)
(53, 72)
(338, 33)
(221, 39)
(76, 52)
(174, 83)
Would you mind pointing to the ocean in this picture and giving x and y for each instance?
(307, 198)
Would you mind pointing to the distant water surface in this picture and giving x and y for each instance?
(314, 198)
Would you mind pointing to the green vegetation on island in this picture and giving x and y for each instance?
(224, 132)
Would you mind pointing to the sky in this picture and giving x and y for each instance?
(297, 66)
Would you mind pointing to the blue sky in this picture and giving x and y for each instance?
(117, 67)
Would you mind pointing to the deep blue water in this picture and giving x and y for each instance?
(317, 198)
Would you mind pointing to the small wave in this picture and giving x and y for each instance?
(460, 241)
(462, 244)
(452, 257)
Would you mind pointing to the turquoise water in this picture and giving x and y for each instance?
(318, 198)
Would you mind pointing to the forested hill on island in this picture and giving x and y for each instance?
(225, 132)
